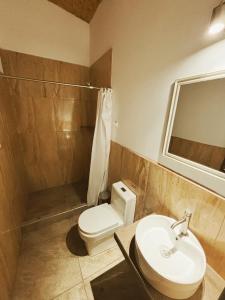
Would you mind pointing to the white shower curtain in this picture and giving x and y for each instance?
(100, 148)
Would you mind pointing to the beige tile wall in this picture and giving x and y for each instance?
(55, 123)
(101, 70)
(13, 193)
(165, 192)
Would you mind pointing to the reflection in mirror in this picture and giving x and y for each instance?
(198, 132)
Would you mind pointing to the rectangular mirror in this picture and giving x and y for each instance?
(195, 136)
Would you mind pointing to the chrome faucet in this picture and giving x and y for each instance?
(185, 221)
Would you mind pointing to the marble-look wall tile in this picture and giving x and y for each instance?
(134, 173)
(133, 170)
(100, 71)
(74, 154)
(115, 163)
(55, 123)
(168, 193)
(13, 193)
(53, 140)
(100, 76)
(218, 257)
(156, 193)
(24, 65)
(88, 104)
(67, 114)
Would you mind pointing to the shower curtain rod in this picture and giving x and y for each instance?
(51, 82)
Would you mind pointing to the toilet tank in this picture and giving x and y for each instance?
(123, 201)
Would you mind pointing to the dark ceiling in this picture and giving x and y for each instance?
(83, 9)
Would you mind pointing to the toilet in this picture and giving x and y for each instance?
(98, 224)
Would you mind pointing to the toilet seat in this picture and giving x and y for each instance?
(99, 219)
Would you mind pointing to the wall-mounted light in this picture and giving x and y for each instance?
(218, 19)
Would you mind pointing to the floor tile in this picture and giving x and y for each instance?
(105, 269)
(75, 215)
(74, 242)
(88, 290)
(92, 264)
(46, 270)
(53, 248)
(76, 293)
(40, 233)
(56, 200)
(38, 278)
(118, 282)
(87, 281)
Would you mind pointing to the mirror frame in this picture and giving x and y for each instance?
(205, 176)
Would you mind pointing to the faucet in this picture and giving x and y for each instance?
(185, 221)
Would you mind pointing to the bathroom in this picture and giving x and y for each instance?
(162, 160)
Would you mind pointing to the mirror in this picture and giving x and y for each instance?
(195, 139)
(198, 132)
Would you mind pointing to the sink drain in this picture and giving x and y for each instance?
(166, 252)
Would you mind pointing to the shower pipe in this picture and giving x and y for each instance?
(51, 82)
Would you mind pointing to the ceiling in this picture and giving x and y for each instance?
(83, 9)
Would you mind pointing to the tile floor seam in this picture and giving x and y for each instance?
(80, 268)
(109, 264)
(85, 289)
(89, 278)
(83, 279)
(73, 285)
(67, 290)
(101, 269)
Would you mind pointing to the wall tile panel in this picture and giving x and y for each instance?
(165, 192)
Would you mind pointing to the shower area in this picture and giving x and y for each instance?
(53, 125)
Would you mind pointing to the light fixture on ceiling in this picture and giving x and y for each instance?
(218, 19)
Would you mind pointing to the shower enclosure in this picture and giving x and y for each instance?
(46, 133)
(54, 124)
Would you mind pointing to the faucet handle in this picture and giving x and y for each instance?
(188, 212)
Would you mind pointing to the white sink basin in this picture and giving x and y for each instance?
(173, 266)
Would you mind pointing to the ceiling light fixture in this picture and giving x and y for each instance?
(218, 19)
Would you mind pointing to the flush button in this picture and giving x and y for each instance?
(123, 189)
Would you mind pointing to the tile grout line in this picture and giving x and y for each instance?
(85, 280)
(66, 212)
(67, 290)
(109, 264)
(86, 290)
(82, 278)
(80, 257)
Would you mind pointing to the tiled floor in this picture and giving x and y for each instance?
(54, 265)
(56, 200)
(48, 270)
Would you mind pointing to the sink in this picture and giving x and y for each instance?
(173, 265)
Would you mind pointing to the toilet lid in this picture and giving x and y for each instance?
(98, 219)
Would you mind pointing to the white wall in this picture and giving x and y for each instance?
(154, 43)
(200, 114)
(41, 28)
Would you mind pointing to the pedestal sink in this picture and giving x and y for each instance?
(173, 265)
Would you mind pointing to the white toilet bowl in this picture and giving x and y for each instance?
(98, 224)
